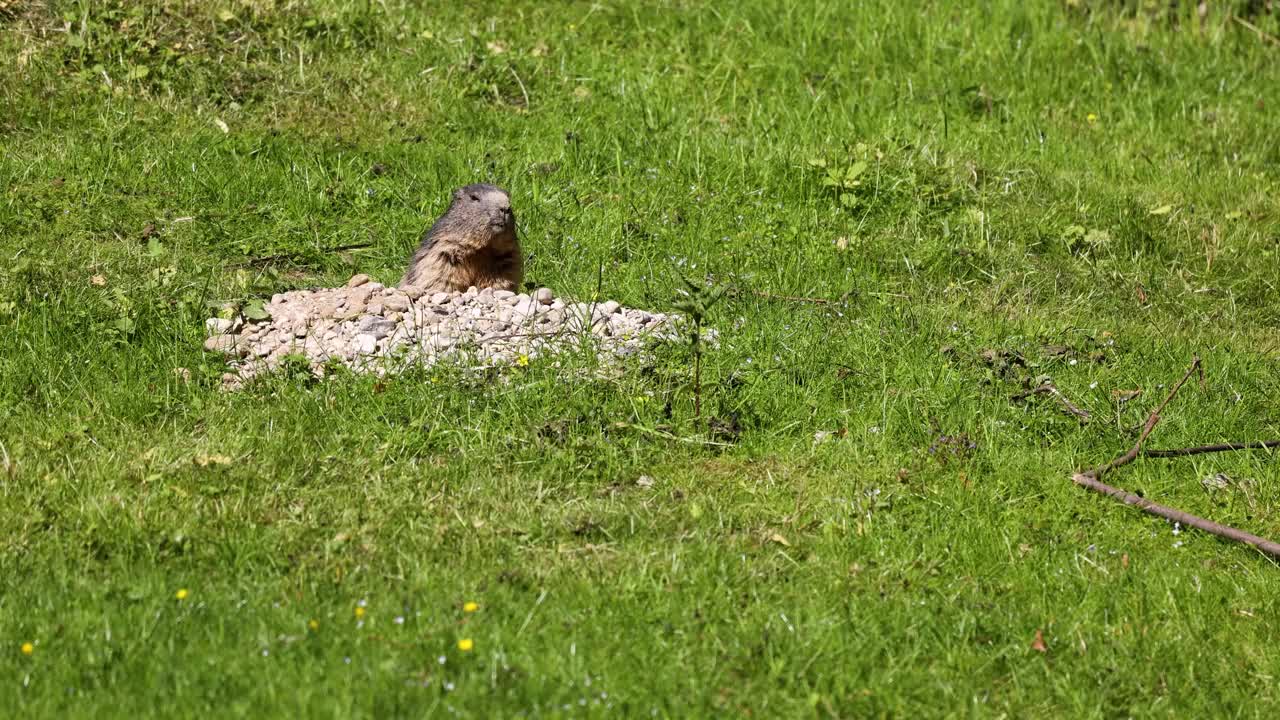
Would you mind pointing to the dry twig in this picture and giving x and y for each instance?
(1150, 425)
(1051, 389)
(1262, 34)
(523, 90)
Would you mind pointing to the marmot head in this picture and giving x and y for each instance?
(482, 207)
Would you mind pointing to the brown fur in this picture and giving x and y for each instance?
(473, 243)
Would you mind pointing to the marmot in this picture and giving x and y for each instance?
(473, 243)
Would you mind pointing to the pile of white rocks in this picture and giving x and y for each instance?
(371, 328)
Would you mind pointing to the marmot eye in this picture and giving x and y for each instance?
(475, 198)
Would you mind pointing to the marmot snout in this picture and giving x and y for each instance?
(473, 243)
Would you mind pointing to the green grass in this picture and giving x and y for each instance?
(1030, 172)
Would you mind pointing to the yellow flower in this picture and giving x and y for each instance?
(28, 648)
(523, 361)
(313, 625)
(465, 644)
(1092, 118)
(181, 594)
(359, 612)
(470, 607)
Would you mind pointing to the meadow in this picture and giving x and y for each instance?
(918, 213)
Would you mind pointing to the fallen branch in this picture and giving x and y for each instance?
(265, 259)
(1220, 447)
(1051, 389)
(1089, 478)
(788, 298)
(812, 300)
(669, 436)
(1090, 483)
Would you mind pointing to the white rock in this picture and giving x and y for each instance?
(395, 303)
(218, 326)
(524, 307)
(226, 344)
